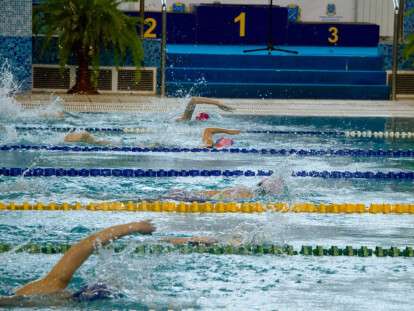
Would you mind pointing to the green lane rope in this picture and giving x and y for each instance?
(362, 251)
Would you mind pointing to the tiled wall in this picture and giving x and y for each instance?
(152, 52)
(409, 20)
(16, 39)
(386, 51)
(386, 48)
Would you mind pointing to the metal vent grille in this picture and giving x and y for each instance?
(110, 79)
(50, 78)
(126, 80)
(104, 79)
(405, 83)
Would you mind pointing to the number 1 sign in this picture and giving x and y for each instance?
(237, 24)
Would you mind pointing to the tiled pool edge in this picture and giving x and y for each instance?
(130, 103)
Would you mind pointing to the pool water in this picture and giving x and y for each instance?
(204, 281)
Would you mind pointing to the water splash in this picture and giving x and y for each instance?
(136, 277)
(11, 109)
(8, 89)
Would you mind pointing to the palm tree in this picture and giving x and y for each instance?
(85, 27)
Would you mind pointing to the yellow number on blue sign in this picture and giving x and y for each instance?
(241, 18)
(152, 22)
(334, 35)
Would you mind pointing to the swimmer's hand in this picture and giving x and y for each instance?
(144, 227)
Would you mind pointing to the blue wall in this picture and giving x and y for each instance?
(409, 20)
(16, 39)
(386, 48)
(152, 52)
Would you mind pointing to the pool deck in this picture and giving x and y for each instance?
(403, 108)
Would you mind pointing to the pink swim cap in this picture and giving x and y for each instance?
(224, 142)
(202, 116)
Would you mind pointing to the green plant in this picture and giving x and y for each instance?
(84, 28)
(409, 46)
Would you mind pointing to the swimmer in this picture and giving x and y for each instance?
(51, 289)
(52, 114)
(56, 114)
(85, 137)
(88, 138)
(273, 186)
(189, 110)
(222, 142)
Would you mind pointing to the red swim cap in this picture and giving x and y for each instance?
(224, 142)
(202, 116)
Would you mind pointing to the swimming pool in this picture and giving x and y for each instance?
(208, 281)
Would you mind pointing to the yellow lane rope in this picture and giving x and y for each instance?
(219, 207)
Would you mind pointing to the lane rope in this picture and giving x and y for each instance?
(391, 175)
(158, 249)
(214, 207)
(370, 153)
(126, 172)
(163, 173)
(139, 130)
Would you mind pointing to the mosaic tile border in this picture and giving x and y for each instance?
(16, 18)
(17, 51)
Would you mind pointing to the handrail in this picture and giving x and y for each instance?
(163, 45)
(142, 17)
(395, 47)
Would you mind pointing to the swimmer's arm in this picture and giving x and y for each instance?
(84, 137)
(189, 110)
(61, 274)
(209, 132)
(210, 101)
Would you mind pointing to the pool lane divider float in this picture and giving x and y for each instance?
(158, 249)
(165, 173)
(126, 173)
(218, 207)
(140, 130)
(359, 153)
(391, 175)
(347, 134)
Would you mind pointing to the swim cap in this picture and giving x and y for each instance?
(202, 116)
(224, 142)
(94, 292)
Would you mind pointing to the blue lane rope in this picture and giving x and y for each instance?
(360, 153)
(138, 173)
(392, 175)
(122, 172)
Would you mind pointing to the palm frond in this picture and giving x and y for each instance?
(92, 26)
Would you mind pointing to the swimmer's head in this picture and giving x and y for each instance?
(202, 116)
(94, 292)
(271, 186)
(224, 142)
